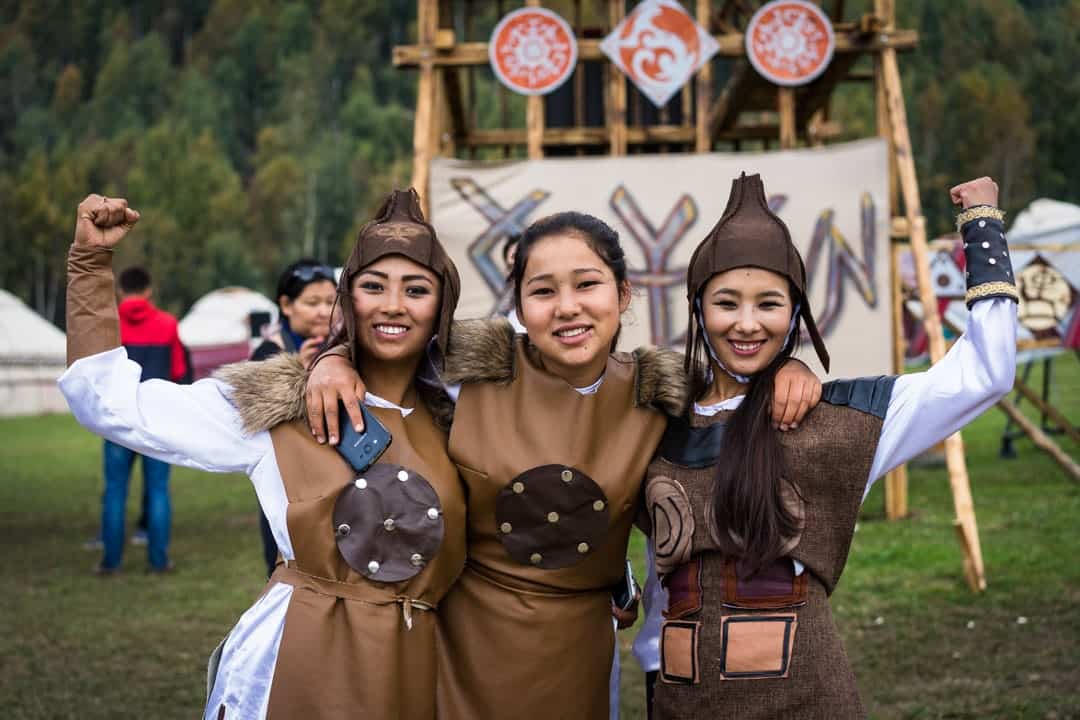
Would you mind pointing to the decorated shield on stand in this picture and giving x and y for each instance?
(790, 42)
(659, 47)
(532, 51)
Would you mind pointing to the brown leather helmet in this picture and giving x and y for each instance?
(748, 234)
(399, 228)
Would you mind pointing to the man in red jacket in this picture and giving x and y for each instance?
(151, 339)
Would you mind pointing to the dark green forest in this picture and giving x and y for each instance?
(250, 132)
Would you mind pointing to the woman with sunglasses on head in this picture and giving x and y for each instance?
(305, 298)
(553, 431)
(345, 626)
(752, 528)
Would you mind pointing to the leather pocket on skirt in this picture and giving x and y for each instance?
(755, 647)
(679, 652)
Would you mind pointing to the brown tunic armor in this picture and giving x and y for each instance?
(765, 647)
(353, 646)
(552, 480)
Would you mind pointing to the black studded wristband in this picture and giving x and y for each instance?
(989, 267)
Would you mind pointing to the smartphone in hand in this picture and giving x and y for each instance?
(624, 592)
(362, 449)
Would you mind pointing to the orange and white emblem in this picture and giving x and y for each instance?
(532, 51)
(659, 47)
(790, 42)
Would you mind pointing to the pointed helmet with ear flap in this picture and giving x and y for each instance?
(399, 228)
(748, 234)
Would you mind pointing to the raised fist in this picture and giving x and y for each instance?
(103, 222)
(983, 191)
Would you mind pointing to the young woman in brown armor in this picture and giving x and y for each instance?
(752, 528)
(345, 626)
(552, 434)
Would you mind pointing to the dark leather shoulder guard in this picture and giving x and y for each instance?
(869, 395)
(693, 447)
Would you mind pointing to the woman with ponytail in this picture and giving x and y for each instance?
(752, 527)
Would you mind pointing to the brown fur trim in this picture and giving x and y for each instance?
(661, 380)
(480, 351)
(267, 392)
(270, 392)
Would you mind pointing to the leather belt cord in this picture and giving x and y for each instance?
(349, 591)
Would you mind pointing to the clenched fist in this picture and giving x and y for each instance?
(103, 222)
(983, 191)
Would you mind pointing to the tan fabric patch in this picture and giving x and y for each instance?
(756, 646)
(672, 522)
(679, 652)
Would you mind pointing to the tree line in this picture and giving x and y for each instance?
(252, 132)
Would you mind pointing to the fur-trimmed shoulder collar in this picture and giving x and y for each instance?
(483, 351)
(480, 351)
(661, 380)
(270, 392)
(267, 392)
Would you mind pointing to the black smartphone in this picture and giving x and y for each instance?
(623, 593)
(361, 450)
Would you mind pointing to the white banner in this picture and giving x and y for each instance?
(834, 200)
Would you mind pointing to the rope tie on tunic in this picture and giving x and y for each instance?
(361, 591)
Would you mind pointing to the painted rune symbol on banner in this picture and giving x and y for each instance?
(502, 224)
(657, 245)
(842, 262)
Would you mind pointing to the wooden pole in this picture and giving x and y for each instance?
(534, 115)
(1047, 409)
(1041, 440)
(616, 88)
(703, 86)
(896, 482)
(886, 10)
(786, 105)
(427, 24)
(967, 528)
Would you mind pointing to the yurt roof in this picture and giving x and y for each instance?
(25, 335)
(222, 317)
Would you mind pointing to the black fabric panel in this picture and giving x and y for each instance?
(690, 446)
(869, 395)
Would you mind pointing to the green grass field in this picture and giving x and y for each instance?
(73, 645)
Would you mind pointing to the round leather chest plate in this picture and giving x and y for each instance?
(552, 516)
(388, 523)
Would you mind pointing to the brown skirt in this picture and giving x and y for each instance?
(510, 652)
(344, 657)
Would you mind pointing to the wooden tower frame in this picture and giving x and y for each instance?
(778, 117)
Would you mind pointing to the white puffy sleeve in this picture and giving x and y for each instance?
(976, 372)
(191, 425)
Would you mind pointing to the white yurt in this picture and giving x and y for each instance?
(223, 327)
(33, 354)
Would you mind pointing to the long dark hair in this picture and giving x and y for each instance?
(600, 237)
(753, 521)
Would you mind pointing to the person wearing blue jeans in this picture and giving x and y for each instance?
(152, 340)
(118, 463)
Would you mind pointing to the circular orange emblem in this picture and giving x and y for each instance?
(790, 42)
(532, 51)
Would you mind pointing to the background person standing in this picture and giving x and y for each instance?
(151, 339)
(305, 297)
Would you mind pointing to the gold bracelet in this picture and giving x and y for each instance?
(991, 289)
(979, 211)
